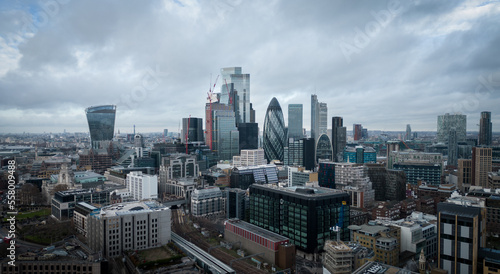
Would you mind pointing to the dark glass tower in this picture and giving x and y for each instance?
(274, 139)
(195, 131)
(101, 121)
(338, 138)
(485, 129)
(249, 135)
(295, 121)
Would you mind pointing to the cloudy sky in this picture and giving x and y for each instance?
(383, 64)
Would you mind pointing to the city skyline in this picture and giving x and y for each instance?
(381, 64)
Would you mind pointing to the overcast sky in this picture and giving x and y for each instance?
(383, 64)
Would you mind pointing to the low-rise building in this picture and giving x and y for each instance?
(276, 249)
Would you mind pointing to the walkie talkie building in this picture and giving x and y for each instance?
(101, 121)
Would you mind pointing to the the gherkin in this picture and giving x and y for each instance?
(275, 134)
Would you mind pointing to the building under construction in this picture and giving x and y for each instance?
(338, 258)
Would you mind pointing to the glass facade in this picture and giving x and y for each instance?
(249, 135)
(314, 117)
(241, 86)
(274, 139)
(485, 129)
(338, 138)
(295, 113)
(326, 174)
(195, 131)
(446, 122)
(228, 137)
(304, 215)
(324, 148)
(101, 121)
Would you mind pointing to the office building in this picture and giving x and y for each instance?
(234, 82)
(63, 202)
(211, 133)
(236, 203)
(207, 201)
(129, 226)
(339, 138)
(243, 177)
(464, 173)
(192, 128)
(408, 135)
(323, 119)
(353, 179)
(101, 120)
(338, 258)
(81, 214)
(250, 157)
(389, 184)
(452, 147)
(385, 241)
(276, 249)
(300, 153)
(227, 138)
(359, 155)
(357, 132)
(298, 176)
(274, 139)
(481, 165)
(295, 126)
(314, 117)
(178, 166)
(446, 122)
(485, 129)
(324, 149)
(249, 135)
(326, 174)
(303, 214)
(142, 186)
(418, 165)
(461, 232)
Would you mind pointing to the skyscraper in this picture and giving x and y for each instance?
(323, 119)
(408, 135)
(314, 117)
(101, 121)
(481, 165)
(211, 134)
(452, 147)
(274, 139)
(485, 129)
(357, 131)
(241, 86)
(295, 113)
(195, 131)
(338, 138)
(446, 122)
(249, 135)
(227, 137)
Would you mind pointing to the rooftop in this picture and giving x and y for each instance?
(271, 236)
(130, 208)
(307, 192)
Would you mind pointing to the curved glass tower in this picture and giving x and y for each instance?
(324, 148)
(274, 139)
(101, 121)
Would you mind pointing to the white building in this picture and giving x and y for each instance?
(129, 226)
(250, 157)
(142, 186)
(207, 201)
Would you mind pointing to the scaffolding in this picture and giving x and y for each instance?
(338, 258)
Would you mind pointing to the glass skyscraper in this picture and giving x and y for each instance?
(446, 122)
(295, 113)
(314, 117)
(240, 84)
(338, 138)
(101, 121)
(485, 129)
(227, 138)
(274, 139)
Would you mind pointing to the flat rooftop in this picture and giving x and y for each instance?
(130, 208)
(306, 192)
(271, 236)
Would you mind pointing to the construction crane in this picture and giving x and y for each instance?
(209, 116)
(338, 227)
